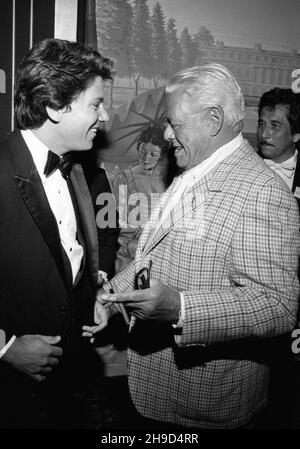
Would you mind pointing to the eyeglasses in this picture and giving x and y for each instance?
(142, 278)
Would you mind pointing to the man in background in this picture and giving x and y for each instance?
(278, 133)
(48, 238)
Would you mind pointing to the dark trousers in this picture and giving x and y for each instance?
(58, 402)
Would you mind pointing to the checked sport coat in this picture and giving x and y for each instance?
(231, 246)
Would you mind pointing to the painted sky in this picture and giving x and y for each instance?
(274, 23)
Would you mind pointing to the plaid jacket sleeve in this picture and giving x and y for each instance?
(261, 298)
(125, 280)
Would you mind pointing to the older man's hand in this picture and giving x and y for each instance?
(159, 302)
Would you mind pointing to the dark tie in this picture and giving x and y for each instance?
(54, 162)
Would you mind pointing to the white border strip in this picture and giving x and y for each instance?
(65, 25)
(13, 62)
(31, 24)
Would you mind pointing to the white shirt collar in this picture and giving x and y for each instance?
(204, 167)
(288, 163)
(38, 150)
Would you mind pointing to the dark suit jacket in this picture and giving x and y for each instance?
(296, 182)
(35, 297)
(296, 192)
(36, 292)
(108, 236)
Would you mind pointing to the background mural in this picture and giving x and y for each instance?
(149, 40)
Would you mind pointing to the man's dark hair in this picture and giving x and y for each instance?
(53, 74)
(287, 98)
(154, 134)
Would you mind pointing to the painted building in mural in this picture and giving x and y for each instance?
(256, 69)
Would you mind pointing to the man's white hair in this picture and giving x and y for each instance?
(211, 85)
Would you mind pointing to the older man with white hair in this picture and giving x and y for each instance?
(223, 249)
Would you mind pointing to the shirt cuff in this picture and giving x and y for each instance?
(7, 346)
(102, 277)
(181, 313)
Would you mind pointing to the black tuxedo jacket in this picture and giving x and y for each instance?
(296, 182)
(35, 296)
(108, 236)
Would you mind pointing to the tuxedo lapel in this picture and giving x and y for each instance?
(30, 187)
(87, 218)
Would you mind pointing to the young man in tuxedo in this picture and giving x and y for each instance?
(49, 245)
(278, 133)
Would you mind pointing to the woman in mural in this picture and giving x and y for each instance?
(137, 189)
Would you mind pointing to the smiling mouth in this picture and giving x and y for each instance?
(178, 149)
(94, 130)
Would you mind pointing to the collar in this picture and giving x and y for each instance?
(38, 150)
(288, 164)
(287, 167)
(200, 170)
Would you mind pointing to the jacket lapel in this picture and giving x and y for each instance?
(145, 236)
(183, 209)
(87, 218)
(30, 187)
(193, 199)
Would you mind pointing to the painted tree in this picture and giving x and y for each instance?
(201, 39)
(174, 61)
(141, 42)
(114, 28)
(188, 48)
(159, 44)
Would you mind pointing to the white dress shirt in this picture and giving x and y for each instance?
(60, 202)
(286, 169)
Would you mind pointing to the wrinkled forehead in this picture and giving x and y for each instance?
(178, 103)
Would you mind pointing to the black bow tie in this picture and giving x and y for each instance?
(54, 162)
